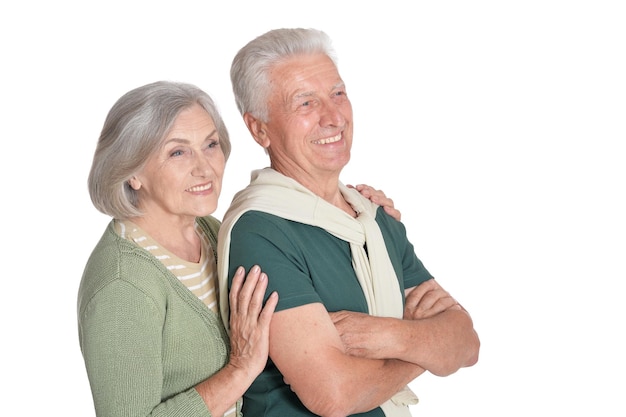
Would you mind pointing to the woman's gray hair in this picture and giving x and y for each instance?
(250, 67)
(133, 130)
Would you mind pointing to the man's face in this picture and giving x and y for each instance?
(309, 131)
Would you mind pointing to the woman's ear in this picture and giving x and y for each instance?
(134, 183)
(258, 130)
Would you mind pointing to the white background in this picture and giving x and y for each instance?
(496, 126)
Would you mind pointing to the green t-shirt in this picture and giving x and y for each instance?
(305, 264)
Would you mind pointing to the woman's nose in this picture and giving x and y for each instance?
(202, 166)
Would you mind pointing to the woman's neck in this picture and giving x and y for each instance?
(180, 238)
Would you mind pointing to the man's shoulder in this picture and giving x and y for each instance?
(257, 218)
(280, 231)
(386, 221)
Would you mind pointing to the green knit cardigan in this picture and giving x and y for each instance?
(145, 338)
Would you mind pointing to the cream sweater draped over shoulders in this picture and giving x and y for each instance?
(273, 193)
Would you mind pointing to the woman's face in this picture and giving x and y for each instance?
(183, 178)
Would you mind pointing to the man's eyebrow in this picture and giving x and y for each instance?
(305, 94)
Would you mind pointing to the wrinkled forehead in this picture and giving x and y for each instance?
(301, 73)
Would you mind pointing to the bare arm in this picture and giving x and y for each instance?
(436, 333)
(249, 323)
(328, 380)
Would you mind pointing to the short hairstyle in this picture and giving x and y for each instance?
(250, 67)
(134, 129)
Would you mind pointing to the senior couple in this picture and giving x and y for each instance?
(307, 299)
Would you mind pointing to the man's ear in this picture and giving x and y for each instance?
(258, 129)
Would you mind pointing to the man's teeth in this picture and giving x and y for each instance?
(200, 188)
(328, 140)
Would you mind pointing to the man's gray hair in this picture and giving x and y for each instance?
(251, 65)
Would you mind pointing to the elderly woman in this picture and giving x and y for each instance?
(149, 323)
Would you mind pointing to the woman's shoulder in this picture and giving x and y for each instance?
(112, 250)
(119, 263)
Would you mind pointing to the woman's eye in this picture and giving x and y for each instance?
(176, 153)
(214, 144)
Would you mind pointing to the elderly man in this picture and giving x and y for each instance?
(359, 316)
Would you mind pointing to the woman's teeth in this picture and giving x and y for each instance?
(200, 188)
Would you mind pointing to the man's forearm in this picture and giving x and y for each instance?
(359, 386)
(441, 344)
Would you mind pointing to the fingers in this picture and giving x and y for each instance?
(428, 299)
(395, 213)
(243, 294)
(370, 192)
(435, 302)
(253, 290)
(376, 196)
(379, 197)
(337, 316)
(268, 310)
(418, 292)
(246, 296)
(235, 288)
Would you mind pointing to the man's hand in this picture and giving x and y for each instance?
(363, 335)
(427, 300)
